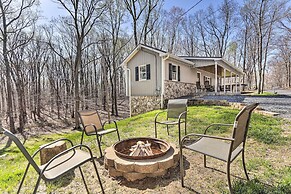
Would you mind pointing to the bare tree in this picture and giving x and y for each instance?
(263, 15)
(16, 17)
(84, 15)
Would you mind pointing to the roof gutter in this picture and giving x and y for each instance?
(164, 58)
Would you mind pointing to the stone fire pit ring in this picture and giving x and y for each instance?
(158, 147)
(136, 169)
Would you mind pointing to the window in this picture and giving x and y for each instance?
(174, 72)
(198, 76)
(142, 72)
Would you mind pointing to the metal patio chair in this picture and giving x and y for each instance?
(59, 165)
(92, 125)
(224, 149)
(176, 114)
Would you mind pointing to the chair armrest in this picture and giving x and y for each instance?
(48, 144)
(63, 153)
(92, 126)
(156, 117)
(216, 124)
(203, 135)
(103, 125)
(180, 116)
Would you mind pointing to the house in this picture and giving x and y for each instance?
(153, 75)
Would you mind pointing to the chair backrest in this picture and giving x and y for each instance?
(241, 125)
(89, 118)
(176, 107)
(21, 147)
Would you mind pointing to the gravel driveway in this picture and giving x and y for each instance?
(280, 103)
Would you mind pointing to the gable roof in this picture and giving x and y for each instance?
(185, 59)
(161, 53)
(138, 48)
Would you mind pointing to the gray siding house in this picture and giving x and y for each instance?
(153, 75)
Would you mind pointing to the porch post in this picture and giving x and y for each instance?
(224, 80)
(235, 83)
(239, 83)
(215, 77)
(231, 82)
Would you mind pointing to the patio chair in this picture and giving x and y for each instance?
(59, 165)
(92, 125)
(224, 149)
(176, 114)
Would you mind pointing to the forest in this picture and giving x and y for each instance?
(73, 61)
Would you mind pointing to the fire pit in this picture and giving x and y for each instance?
(137, 158)
(141, 148)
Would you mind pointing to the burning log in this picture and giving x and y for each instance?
(141, 149)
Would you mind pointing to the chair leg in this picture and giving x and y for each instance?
(181, 167)
(185, 126)
(179, 128)
(228, 177)
(82, 137)
(37, 184)
(24, 175)
(156, 135)
(99, 145)
(168, 129)
(244, 164)
(118, 135)
(84, 180)
(94, 164)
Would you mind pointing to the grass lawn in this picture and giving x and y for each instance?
(264, 94)
(268, 159)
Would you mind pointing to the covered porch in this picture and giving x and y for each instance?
(217, 75)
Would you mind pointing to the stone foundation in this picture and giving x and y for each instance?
(142, 104)
(175, 89)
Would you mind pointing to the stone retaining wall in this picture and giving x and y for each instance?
(142, 104)
(177, 89)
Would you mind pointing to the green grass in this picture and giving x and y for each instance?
(265, 130)
(264, 94)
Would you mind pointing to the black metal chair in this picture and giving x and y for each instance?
(59, 165)
(176, 114)
(218, 147)
(92, 125)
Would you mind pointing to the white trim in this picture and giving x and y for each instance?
(139, 72)
(176, 74)
(169, 55)
(163, 79)
(215, 77)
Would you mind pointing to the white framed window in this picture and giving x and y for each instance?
(142, 72)
(174, 73)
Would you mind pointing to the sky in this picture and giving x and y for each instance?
(50, 9)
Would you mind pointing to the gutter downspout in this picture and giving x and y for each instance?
(163, 79)
(128, 87)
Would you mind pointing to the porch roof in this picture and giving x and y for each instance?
(220, 62)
